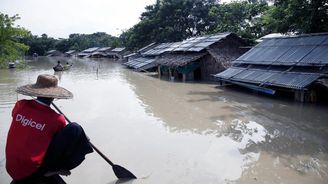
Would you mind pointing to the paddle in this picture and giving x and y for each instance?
(120, 172)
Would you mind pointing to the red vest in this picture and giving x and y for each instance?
(31, 131)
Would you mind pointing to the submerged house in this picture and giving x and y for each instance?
(101, 52)
(198, 58)
(87, 52)
(70, 53)
(52, 53)
(144, 58)
(297, 65)
(116, 53)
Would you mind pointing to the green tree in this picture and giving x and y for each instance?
(170, 21)
(242, 18)
(10, 47)
(42, 44)
(39, 45)
(297, 16)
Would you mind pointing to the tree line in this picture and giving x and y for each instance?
(40, 45)
(175, 20)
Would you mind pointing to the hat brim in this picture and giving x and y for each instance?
(51, 92)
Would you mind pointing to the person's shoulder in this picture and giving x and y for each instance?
(24, 101)
(55, 114)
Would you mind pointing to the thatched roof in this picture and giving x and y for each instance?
(174, 60)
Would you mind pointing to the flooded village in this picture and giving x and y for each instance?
(180, 97)
(294, 66)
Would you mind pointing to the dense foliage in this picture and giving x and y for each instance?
(10, 47)
(41, 45)
(175, 20)
(297, 16)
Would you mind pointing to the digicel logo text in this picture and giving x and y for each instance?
(29, 122)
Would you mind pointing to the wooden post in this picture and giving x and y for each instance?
(302, 96)
(299, 96)
(184, 77)
(159, 71)
(170, 73)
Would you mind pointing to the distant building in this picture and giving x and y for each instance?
(70, 53)
(295, 64)
(196, 58)
(101, 52)
(52, 53)
(116, 53)
(87, 52)
(139, 61)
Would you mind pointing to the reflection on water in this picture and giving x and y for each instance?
(169, 132)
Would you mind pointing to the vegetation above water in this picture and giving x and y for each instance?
(42, 44)
(175, 20)
(171, 20)
(10, 46)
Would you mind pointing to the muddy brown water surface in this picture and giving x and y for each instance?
(172, 132)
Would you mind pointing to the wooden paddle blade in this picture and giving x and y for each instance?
(122, 173)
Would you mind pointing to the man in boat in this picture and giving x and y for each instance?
(67, 66)
(40, 146)
(59, 67)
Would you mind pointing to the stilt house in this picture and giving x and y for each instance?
(297, 65)
(198, 58)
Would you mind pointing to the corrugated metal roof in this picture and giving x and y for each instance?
(140, 62)
(104, 49)
(130, 55)
(51, 51)
(91, 49)
(293, 80)
(302, 50)
(98, 53)
(147, 47)
(194, 44)
(161, 48)
(118, 49)
(319, 56)
(70, 51)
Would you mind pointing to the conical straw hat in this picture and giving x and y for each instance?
(45, 86)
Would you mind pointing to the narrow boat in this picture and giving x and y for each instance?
(58, 68)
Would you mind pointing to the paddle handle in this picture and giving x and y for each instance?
(92, 145)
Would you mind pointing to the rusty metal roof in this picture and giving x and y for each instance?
(304, 50)
(293, 80)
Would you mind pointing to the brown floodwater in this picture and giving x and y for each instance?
(173, 132)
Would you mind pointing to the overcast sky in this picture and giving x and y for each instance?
(59, 18)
